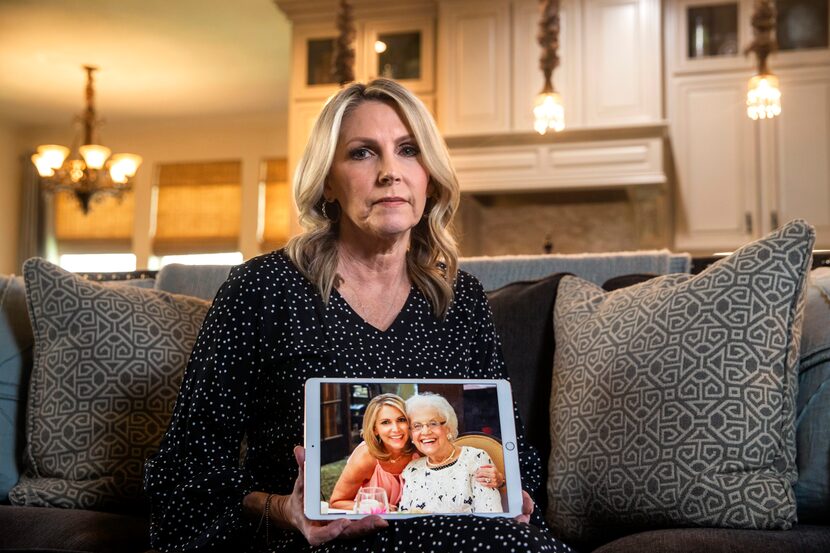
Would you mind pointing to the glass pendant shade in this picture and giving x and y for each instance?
(123, 166)
(94, 155)
(48, 158)
(548, 113)
(763, 97)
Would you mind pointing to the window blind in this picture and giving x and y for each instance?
(107, 228)
(278, 204)
(197, 207)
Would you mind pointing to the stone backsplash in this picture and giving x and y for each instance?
(575, 222)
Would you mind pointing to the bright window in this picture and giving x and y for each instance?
(98, 262)
(229, 258)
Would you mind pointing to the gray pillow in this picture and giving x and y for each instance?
(673, 400)
(813, 408)
(107, 367)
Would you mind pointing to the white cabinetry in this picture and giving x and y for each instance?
(489, 74)
(474, 67)
(738, 179)
(798, 181)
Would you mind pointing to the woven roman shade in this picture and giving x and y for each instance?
(107, 228)
(198, 208)
(277, 204)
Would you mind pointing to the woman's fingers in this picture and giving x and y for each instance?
(367, 525)
(343, 528)
(320, 532)
(487, 475)
(527, 508)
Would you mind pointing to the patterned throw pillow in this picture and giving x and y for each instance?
(673, 400)
(108, 364)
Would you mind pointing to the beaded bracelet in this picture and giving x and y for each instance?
(266, 517)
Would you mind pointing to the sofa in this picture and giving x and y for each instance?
(107, 514)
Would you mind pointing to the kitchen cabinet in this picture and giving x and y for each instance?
(739, 179)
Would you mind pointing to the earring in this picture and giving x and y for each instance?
(334, 218)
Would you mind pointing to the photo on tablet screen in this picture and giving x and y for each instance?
(471, 479)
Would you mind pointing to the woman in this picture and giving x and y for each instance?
(370, 289)
(387, 449)
(443, 480)
(379, 460)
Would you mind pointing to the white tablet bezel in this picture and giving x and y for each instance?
(312, 444)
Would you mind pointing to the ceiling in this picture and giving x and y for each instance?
(157, 58)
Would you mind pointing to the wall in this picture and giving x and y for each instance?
(249, 138)
(9, 199)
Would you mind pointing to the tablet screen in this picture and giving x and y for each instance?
(407, 447)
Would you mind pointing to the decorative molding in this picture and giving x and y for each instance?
(323, 10)
(561, 166)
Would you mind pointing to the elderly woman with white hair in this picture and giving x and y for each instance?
(443, 480)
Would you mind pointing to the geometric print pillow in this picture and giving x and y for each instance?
(107, 367)
(672, 401)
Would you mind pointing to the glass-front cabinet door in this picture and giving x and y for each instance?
(802, 24)
(401, 50)
(713, 34)
(712, 30)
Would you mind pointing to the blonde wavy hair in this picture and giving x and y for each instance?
(370, 418)
(432, 258)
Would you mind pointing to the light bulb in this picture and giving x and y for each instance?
(763, 97)
(124, 166)
(94, 155)
(52, 155)
(548, 113)
(44, 168)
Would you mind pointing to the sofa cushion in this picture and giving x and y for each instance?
(107, 367)
(812, 490)
(201, 281)
(495, 272)
(15, 366)
(71, 530)
(673, 400)
(523, 315)
(801, 539)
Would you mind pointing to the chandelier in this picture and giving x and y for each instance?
(548, 110)
(87, 170)
(763, 96)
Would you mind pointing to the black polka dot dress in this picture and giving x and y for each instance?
(266, 333)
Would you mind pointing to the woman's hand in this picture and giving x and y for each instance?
(527, 508)
(289, 510)
(489, 476)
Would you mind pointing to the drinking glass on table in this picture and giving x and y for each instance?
(371, 500)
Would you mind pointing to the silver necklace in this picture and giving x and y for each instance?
(362, 307)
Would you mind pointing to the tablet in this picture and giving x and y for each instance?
(431, 482)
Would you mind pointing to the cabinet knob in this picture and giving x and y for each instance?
(773, 220)
(748, 222)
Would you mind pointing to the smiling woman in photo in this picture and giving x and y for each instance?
(379, 459)
(444, 479)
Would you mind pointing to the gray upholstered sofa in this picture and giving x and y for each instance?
(523, 314)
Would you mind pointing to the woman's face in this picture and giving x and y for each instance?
(392, 427)
(377, 175)
(429, 433)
